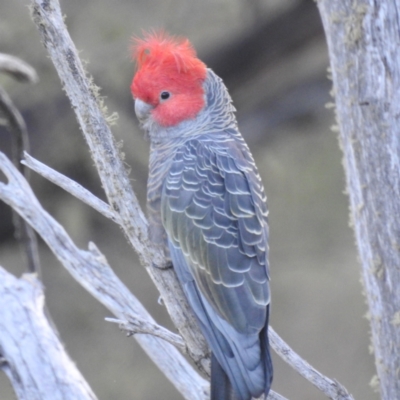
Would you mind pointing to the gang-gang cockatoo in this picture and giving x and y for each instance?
(206, 203)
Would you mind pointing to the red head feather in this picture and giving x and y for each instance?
(165, 63)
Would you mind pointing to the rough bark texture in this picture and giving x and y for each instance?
(363, 39)
(36, 364)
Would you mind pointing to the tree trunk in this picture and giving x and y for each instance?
(363, 40)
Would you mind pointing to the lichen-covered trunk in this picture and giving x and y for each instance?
(363, 38)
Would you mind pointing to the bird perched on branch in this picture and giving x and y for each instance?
(207, 204)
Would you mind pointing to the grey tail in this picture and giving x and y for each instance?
(269, 371)
(221, 388)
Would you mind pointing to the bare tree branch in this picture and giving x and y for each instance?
(71, 187)
(20, 143)
(33, 357)
(17, 68)
(146, 327)
(363, 41)
(91, 270)
(331, 388)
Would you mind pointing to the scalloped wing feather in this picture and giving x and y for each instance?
(211, 211)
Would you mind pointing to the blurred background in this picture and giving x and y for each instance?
(273, 58)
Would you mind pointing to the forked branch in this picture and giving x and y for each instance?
(91, 270)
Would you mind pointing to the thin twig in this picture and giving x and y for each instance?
(20, 143)
(71, 187)
(331, 388)
(135, 326)
(17, 68)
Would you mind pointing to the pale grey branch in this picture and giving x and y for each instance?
(91, 270)
(17, 68)
(331, 388)
(32, 356)
(72, 187)
(146, 327)
(363, 42)
(20, 142)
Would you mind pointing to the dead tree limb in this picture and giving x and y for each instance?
(20, 143)
(331, 388)
(363, 40)
(17, 68)
(33, 357)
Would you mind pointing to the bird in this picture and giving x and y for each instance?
(207, 207)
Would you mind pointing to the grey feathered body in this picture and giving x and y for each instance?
(207, 204)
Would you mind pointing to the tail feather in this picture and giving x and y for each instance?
(244, 358)
(221, 388)
(268, 368)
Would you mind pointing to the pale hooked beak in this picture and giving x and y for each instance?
(142, 109)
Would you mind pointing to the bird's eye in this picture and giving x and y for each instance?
(165, 95)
